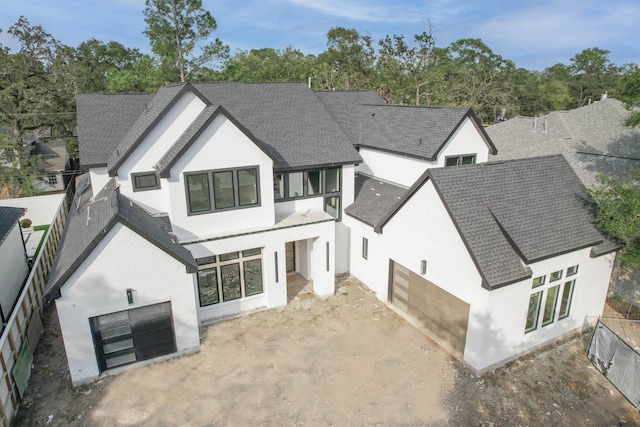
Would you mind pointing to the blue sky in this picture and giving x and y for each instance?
(534, 34)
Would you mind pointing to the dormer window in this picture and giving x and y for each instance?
(145, 181)
(460, 160)
(220, 190)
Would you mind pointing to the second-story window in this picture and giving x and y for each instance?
(219, 190)
(313, 183)
(460, 160)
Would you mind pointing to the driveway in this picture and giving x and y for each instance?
(345, 361)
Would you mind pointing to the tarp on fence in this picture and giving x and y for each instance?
(620, 363)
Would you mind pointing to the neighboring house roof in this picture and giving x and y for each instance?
(374, 198)
(55, 155)
(89, 221)
(592, 139)
(104, 119)
(286, 118)
(416, 131)
(8, 219)
(513, 213)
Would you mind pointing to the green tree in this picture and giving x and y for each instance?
(593, 75)
(178, 31)
(408, 70)
(618, 213)
(19, 171)
(630, 94)
(347, 63)
(268, 65)
(144, 75)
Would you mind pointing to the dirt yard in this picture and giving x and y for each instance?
(344, 361)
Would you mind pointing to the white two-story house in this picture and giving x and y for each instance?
(203, 200)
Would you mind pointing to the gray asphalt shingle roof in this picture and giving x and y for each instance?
(374, 198)
(288, 120)
(8, 219)
(514, 213)
(405, 129)
(103, 121)
(591, 138)
(89, 221)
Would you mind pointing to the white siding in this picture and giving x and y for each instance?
(466, 140)
(123, 260)
(13, 269)
(99, 177)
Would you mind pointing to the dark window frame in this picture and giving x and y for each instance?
(460, 159)
(136, 175)
(235, 182)
(230, 259)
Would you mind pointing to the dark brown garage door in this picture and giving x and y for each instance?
(442, 314)
(128, 336)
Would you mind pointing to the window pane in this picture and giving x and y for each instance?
(532, 313)
(145, 181)
(550, 305)
(198, 188)
(332, 206)
(452, 161)
(248, 186)
(538, 281)
(252, 277)
(228, 256)
(296, 184)
(251, 252)
(556, 275)
(565, 302)
(333, 180)
(223, 189)
(230, 275)
(278, 186)
(314, 182)
(468, 160)
(208, 287)
(572, 270)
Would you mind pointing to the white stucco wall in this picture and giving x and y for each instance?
(13, 269)
(99, 177)
(154, 146)
(314, 236)
(406, 170)
(221, 146)
(123, 260)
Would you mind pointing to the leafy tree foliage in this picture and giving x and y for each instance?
(269, 65)
(178, 30)
(18, 169)
(593, 75)
(631, 94)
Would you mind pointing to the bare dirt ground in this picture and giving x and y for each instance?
(344, 361)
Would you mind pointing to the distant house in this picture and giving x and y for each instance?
(592, 138)
(14, 267)
(55, 165)
(204, 201)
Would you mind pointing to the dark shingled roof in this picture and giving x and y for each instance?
(8, 219)
(592, 138)
(89, 221)
(419, 132)
(514, 213)
(374, 199)
(287, 119)
(104, 120)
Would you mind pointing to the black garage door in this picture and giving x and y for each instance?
(442, 314)
(130, 336)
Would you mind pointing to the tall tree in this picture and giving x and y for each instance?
(630, 94)
(413, 63)
(268, 65)
(347, 63)
(593, 75)
(178, 31)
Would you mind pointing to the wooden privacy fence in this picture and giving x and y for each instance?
(21, 332)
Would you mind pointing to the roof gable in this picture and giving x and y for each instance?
(89, 221)
(186, 140)
(159, 106)
(510, 214)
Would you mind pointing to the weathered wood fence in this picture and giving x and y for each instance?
(23, 329)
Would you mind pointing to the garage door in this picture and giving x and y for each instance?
(442, 314)
(129, 336)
